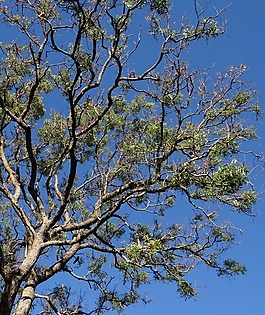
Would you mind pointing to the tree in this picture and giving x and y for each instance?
(98, 145)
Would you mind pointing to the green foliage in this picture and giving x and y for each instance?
(229, 178)
(206, 28)
(185, 289)
(160, 6)
(232, 267)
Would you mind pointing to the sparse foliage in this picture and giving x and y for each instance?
(99, 142)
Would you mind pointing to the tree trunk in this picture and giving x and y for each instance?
(25, 302)
(12, 286)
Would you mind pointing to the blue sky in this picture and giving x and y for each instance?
(242, 43)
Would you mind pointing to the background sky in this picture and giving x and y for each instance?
(244, 43)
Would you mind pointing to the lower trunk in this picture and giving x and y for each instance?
(8, 298)
(9, 295)
(25, 302)
(5, 305)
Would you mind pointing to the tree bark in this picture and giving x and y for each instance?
(25, 302)
(13, 283)
(12, 286)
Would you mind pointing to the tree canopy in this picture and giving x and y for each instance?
(104, 146)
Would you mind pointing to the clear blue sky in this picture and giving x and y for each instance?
(244, 43)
